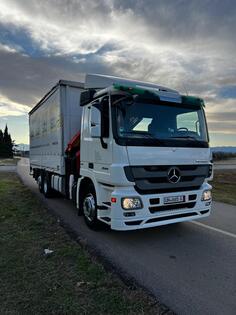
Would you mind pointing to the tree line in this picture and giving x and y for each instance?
(6, 144)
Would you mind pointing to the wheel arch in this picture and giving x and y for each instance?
(83, 182)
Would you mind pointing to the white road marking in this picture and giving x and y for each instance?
(214, 229)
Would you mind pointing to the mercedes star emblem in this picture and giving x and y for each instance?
(174, 175)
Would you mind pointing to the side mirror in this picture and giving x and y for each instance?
(95, 122)
(86, 96)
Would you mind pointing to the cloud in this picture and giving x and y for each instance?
(25, 79)
(187, 45)
(8, 49)
(221, 115)
(228, 91)
(85, 26)
(58, 27)
(222, 127)
(11, 108)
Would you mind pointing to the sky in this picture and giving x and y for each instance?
(187, 45)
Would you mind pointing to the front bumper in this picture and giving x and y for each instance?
(155, 214)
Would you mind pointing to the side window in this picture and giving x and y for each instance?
(188, 121)
(105, 117)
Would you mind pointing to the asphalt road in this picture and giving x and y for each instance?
(190, 267)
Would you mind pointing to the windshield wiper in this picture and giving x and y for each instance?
(185, 137)
(149, 135)
(144, 133)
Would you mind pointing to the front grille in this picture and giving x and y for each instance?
(154, 179)
(192, 197)
(154, 201)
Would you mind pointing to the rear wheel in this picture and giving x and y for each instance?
(40, 186)
(89, 206)
(46, 186)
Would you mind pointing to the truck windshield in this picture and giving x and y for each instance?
(177, 124)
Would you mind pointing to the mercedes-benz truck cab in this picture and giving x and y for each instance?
(144, 156)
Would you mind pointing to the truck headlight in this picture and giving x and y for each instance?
(206, 195)
(131, 203)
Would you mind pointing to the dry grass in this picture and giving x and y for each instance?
(224, 186)
(68, 281)
(8, 162)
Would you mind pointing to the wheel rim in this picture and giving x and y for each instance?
(89, 207)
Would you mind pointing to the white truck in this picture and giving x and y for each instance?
(129, 154)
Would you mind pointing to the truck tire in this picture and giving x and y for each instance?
(40, 186)
(46, 186)
(89, 208)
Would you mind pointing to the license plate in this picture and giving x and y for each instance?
(173, 199)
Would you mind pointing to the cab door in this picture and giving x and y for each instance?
(100, 147)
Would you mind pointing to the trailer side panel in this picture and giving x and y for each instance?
(53, 122)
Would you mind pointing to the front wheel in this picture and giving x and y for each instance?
(89, 205)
